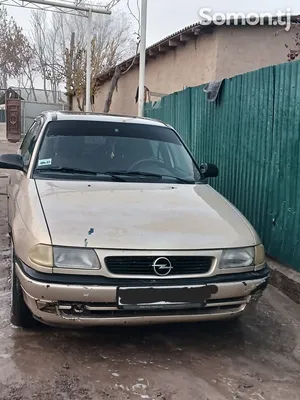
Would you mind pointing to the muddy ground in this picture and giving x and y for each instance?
(256, 359)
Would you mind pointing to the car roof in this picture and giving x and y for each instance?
(82, 116)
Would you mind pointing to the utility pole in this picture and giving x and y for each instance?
(88, 63)
(70, 68)
(142, 58)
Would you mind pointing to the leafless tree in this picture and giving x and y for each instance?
(110, 44)
(28, 77)
(112, 4)
(59, 42)
(294, 51)
(15, 51)
(117, 72)
(47, 52)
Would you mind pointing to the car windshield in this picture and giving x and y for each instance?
(119, 151)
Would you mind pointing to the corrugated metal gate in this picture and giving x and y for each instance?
(23, 105)
(252, 132)
(13, 119)
(2, 115)
(31, 109)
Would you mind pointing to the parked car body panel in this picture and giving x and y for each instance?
(141, 216)
(231, 301)
(152, 220)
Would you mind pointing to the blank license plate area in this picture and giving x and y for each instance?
(163, 297)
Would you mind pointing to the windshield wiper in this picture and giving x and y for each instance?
(67, 170)
(132, 173)
(148, 174)
(114, 176)
(182, 180)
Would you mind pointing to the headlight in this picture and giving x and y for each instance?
(237, 258)
(64, 257)
(42, 254)
(73, 258)
(260, 255)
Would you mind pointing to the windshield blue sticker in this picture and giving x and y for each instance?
(47, 161)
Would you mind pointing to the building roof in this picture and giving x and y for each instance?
(38, 95)
(173, 41)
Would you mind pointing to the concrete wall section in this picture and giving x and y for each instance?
(223, 53)
(187, 65)
(247, 48)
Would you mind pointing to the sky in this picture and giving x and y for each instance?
(168, 16)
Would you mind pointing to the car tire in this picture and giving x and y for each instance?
(20, 313)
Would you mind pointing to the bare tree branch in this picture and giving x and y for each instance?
(59, 47)
(113, 85)
(138, 33)
(136, 17)
(14, 48)
(294, 50)
(110, 44)
(118, 72)
(112, 4)
(134, 58)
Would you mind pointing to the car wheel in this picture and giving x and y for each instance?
(20, 313)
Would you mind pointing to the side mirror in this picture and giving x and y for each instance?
(209, 170)
(11, 161)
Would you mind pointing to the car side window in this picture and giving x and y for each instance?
(25, 141)
(30, 141)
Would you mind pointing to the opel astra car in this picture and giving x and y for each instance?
(113, 222)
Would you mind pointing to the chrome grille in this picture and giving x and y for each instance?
(141, 265)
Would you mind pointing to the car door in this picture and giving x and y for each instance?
(16, 177)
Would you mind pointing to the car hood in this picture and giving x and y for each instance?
(142, 216)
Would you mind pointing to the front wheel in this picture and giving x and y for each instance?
(20, 313)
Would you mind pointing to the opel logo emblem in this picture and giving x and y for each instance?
(162, 266)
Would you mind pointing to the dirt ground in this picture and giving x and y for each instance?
(256, 359)
(2, 132)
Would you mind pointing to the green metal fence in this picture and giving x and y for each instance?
(2, 116)
(252, 132)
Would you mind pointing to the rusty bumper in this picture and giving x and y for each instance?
(80, 304)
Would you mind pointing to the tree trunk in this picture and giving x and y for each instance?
(79, 105)
(113, 84)
(45, 85)
(32, 88)
(4, 81)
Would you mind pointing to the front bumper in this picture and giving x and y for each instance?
(83, 301)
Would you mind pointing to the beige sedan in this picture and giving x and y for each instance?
(113, 222)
